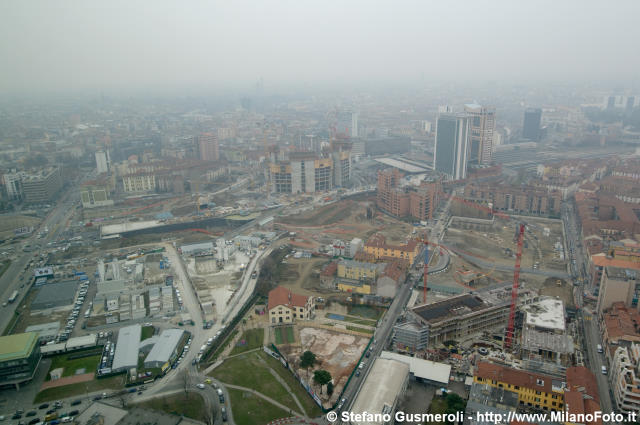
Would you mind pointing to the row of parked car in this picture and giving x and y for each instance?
(73, 316)
(52, 416)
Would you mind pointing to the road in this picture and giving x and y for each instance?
(10, 280)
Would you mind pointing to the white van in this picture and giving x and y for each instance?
(599, 348)
(604, 370)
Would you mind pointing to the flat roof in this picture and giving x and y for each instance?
(112, 229)
(82, 341)
(548, 313)
(164, 347)
(401, 165)
(110, 415)
(126, 355)
(17, 346)
(382, 387)
(533, 340)
(420, 368)
(52, 348)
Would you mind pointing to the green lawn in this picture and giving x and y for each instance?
(366, 311)
(284, 335)
(250, 371)
(191, 405)
(254, 338)
(89, 364)
(249, 409)
(310, 406)
(113, 383)
(147, 332)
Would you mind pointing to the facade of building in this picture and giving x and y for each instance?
(419, 202)
(452, 146)
(208, 147)
(531, 124)
(13, 184)
(534, 390)
(286, 307)
(410, 336)
(19, 358)
(139, 182)
(530, 200)
(625, 378)
(341, 163)
(377, 247)
(482, 123)
(357, 270)
(618, 285)
(42, 187)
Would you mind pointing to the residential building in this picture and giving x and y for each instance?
(357, 270)
(530, 200)
(341, 162)
(286, 307)
(485, 398)
(304, 172)
(482, 122)
(581, 395)
(620, 325)
(139, 182)
(534, 390)
(43, 186)
(452, 145)
(399, 200)
(13, 184)
(103, 162)
(19, 358)
(625, 377)
(208, 147)
(618, 285)
(377, 246)
(531, 124)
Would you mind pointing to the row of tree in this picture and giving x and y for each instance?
(320, 377)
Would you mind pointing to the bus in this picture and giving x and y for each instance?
(13, 296)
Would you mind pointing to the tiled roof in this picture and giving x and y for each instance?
(511, 376)
(283, 296)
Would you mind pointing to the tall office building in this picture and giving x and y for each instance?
(208, 146)
(531, 125)
(452, 145)
(482, 123)
(103, 162)
(347, 124)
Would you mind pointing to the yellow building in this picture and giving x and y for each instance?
(377, 246)
(286, 307)
(357, 270)
(354, 286)
(534, 390)
(139, 182)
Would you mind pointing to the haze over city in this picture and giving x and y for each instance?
(58, 46)
(306, 212)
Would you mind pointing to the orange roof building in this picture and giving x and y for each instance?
(286, 307)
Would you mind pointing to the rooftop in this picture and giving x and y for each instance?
(420, 368)
(533, 340)
(548, 313)
(17, 346)
(521, 378)
(164, 347)
(126, 355)
(283, 296)
(383, 385)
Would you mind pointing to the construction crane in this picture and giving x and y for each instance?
(514, 291)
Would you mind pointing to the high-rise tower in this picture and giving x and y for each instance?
(482, 123)
(452, 145)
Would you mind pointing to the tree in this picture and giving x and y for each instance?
(321, 377)
(307, 360)
(185, 381)
(330, 388)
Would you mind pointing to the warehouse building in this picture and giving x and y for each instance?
(422, 370)
(165, 349)
(55, 295)
(381, 390)
(19, 358)
(126, 355)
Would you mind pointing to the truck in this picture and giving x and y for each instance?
(13, 297)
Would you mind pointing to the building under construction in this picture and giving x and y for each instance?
(459, 317)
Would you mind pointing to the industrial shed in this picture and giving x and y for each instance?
(165, 348)
(126, 355)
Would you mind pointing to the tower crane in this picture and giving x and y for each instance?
(514, 291)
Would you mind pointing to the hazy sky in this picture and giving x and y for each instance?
(57, 45)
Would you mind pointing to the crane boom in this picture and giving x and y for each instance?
(514, 291)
